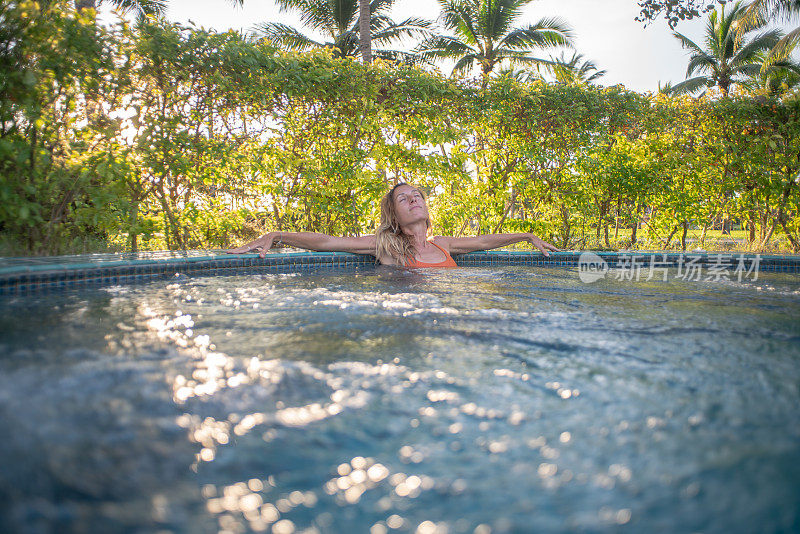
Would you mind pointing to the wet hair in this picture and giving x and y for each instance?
(389, 237)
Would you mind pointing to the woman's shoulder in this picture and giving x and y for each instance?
(442, 241)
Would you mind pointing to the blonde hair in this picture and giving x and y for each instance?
(389, 237)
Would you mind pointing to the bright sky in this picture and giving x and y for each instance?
(606, 32)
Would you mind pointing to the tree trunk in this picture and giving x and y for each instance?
(669, 238)
(566, 227)
(133, 216)
(683, 235)
(277, 215)
(601, 218)
(365, 42)
(767, 236)
(795, 243)
(703, 235)
(508, 209)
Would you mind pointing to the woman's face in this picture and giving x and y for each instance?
(409, 205)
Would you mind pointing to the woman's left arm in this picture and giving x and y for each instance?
(461, 245)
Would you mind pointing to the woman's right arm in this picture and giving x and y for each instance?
(309, 241)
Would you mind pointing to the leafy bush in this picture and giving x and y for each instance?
(162, 136)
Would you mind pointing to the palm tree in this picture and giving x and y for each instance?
(574, 70)
(773, 10)
(726, 61)
(338, 21)
(779, 82)
(778, 76)
(485, 35)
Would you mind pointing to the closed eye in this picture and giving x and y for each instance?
(403, 197)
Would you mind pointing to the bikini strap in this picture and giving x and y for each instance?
(446, 254)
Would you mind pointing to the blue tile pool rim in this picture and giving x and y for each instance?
(27, 275)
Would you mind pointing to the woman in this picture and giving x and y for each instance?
(402, 237)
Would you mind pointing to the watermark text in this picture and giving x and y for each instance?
(691, 267)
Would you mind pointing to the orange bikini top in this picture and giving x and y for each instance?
(448, 260)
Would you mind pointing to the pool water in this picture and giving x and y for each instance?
(502, 399)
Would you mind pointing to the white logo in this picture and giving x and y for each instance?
(591, 267)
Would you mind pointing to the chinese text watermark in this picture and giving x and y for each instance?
(696, 267)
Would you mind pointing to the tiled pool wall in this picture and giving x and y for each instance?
(31, 275)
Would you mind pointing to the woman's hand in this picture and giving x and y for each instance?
(260, 245)
(542, 245)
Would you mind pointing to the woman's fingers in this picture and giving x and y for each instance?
(260, 245)
(544, 246)
(244, 249)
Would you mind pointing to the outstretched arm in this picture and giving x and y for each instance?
(460, 245)
(309, 241)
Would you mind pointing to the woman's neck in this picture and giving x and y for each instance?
(418, 232)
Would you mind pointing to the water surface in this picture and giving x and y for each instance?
(507, 399)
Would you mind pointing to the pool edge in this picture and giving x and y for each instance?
(30, 275)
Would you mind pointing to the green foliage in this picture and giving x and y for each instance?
(161, 136)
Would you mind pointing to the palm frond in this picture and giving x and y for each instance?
(323, 16)
(749, 69)
(406, 58)
(784, 47)
(576, 69)
(379, 7)
(751, 18)
(702, 62)
(545, 33)
(687, 43)
(755, 47)
(776, 10)
(518, 58)
(520, 75)
(141, 8)
(727, 21)
(665, 89)
(785, 65)
(377, 22)
(464, 64)
(457, 17)
(411, 27)
(441, 46)
(495, 18)
(285, 36)
(346, 44)
(692, 85)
